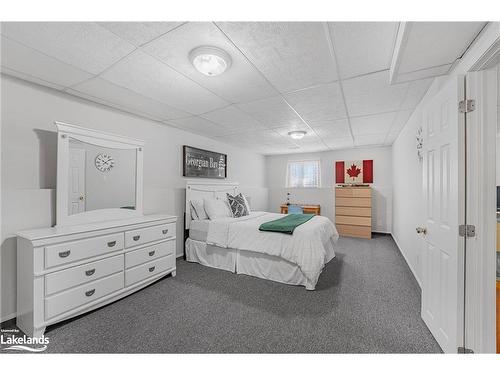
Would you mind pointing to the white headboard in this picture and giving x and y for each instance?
(196, 190)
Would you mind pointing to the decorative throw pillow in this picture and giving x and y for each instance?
(216, 208)
(198, 210)
(238, 205)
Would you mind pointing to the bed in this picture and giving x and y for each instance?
(237, 245)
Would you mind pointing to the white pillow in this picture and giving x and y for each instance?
(198, 210)
(246, 203)
(216, 208)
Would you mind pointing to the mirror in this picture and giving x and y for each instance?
(100, 177)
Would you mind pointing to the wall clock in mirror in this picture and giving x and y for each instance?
(104, 162)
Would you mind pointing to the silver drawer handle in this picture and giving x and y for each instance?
(151, 253)
(90, 272)
(151, 269)
(136, 238)
(88, 293)
(111, 244)
(64, 254)
(164, 231)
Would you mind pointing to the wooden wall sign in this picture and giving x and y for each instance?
(203, 163)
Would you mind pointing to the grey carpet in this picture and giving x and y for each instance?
(367, 301)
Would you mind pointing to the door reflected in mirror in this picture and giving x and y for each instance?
(100, 177)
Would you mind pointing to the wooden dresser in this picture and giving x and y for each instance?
(353, 211)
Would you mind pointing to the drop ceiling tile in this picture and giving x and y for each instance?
(375, 124)
(415, 93)
(30, 62)
(271, 112)
(84, 45)
(369, 139)
(240, 83)
(422, 74)
(372, 93)
(146, 75)
(139, 33)
(339, 143)
(259, 138)
(319, 103)
(232, 117)
(292, 55)
(29, 78)
(432, 44)
(100, 88)
(401, 119)
(332, 129)
(363, 47)
(199, 125)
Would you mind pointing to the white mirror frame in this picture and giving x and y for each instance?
(94, 137)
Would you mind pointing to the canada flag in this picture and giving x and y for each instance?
(354, 172)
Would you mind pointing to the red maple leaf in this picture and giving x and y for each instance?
(353, 171)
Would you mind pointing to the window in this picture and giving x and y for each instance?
(303, 173)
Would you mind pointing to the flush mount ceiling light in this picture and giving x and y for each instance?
(297, 134)
(210, 61)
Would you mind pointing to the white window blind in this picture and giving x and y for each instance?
(303, 173)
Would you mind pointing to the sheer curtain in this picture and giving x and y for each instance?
(303, 173)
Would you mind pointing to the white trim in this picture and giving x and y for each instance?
(481, 193)
(102, 139)
(399, 47)
(407, 262)
(8, 317)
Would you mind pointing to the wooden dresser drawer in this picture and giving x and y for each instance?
(354, 231)
(145, 235)
(354, 220)
(146, 270)
(353, 202)
(68, 252)
(81, 295)
(354, 211)
(71, 277)
(149, 253)
(343, 192)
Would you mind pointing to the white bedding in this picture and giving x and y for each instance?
(198, 230)
(307, 247)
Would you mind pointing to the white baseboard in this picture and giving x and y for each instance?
(408, 263)
(8, 317)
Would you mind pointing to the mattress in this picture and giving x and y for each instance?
(198, 230)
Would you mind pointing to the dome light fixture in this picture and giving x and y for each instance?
(210, 61)
(297, 134)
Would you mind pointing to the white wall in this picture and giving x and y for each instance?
(28, 157)
(325, 196)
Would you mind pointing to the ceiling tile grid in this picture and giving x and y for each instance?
(284, 76)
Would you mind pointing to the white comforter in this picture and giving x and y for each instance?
(308, 247)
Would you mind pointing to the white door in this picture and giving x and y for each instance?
(76, 184)
(444, 184)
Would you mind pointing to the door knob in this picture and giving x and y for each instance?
(421, 230)
(81, 197)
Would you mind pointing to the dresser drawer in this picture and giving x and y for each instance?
(353, 202)
(149, 253)
(77, 250)
(146, 270)
(354, 231)
(81, 295)
(354, 220)
(68, 278)
(353, 211)
(145, 235)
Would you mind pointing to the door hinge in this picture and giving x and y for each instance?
(467, 230)
(466, 106)
(463, 350)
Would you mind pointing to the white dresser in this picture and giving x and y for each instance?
(66, 271)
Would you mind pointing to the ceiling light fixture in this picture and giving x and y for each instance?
(297, 134)
(210, 61)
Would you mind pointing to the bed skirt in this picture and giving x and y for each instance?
(247, 263)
